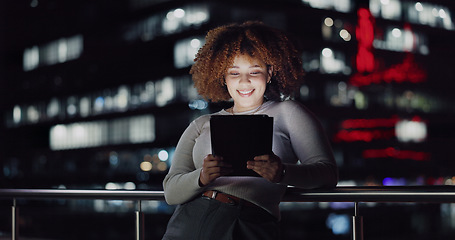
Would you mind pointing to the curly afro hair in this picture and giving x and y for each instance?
(256, 40)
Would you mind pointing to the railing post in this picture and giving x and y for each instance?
(357, 224)
(14, 222)
(139, 221)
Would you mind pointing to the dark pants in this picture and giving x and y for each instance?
(207, 219)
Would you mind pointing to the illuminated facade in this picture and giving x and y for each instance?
(100, 99)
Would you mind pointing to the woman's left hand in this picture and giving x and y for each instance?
(268, 166)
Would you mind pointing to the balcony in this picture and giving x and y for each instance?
(355, 195)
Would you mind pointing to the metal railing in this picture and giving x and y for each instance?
(416, 194)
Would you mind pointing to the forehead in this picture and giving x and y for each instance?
(244, 59)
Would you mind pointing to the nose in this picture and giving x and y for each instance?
(244, 78)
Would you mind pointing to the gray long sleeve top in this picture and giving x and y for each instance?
(298, 140)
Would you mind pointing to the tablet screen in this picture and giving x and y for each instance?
(239, 138)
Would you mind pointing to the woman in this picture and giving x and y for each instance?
(257, 67)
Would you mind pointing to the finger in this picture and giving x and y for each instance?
(265, 169)
(211, 157)
(216, 162)
(260, 163)
(262, 158)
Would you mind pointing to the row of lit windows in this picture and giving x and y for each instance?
(162, 24)
(181, 19)
(179, 89)
(337, 5)
(402, 40)
(129, 130)
(389, 38)
(141, 129)
(341, 94)
(152, 93)
(414, 12)
(59, 51)
(139, 163)
(165, 23)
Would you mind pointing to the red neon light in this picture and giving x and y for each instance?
(367, 72)
(406, 71)
(367, 130)
(363, 135)
(391, 152)
(365, 37)
(370, 123)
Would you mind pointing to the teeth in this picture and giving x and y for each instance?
(245, 92)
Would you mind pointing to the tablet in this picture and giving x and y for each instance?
(239, 138)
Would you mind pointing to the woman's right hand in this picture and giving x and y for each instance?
(213, 167)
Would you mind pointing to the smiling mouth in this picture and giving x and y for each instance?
(245, 93)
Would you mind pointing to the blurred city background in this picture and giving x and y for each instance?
(94, 94)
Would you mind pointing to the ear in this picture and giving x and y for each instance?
(270, 73)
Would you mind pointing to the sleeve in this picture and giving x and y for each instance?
(182, 181)
(317, 167)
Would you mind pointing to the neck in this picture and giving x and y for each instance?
(255, 109)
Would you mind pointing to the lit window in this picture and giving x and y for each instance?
(53, 108)
(336, 30)
(98, 105)
(339, 223)
(165, 91)
(419, 7)
(58, 137)
(163, 155)
(198, 104)
(345, 35)
(311, 61)
(17, 114)
(122, 98)
(429, 14)
(31, 58)
(33, 114)
(185, 51)
(75, 47)
(387, 9)
(411, 131)
(333, 62)
(337, 5)
(71, 108)
(181, 18)
(340, 94)
(84, 106)
(141, 129)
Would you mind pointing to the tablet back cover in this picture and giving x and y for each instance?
(239, 138)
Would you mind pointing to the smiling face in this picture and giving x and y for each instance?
(246, 81)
